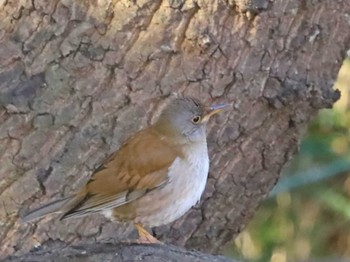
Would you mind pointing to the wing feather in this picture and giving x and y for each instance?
(139, 166)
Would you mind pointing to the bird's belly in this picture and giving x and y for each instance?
(169, 202)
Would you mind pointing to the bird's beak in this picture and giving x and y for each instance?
(212, 110)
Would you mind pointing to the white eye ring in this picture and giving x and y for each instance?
(196, 119)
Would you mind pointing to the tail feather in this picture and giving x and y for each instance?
(52, 207)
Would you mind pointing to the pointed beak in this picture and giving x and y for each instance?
(213, 110)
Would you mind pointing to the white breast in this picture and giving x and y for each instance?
(187, 180)
(196, 169)
(188, 177)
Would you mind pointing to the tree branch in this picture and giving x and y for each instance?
(59, 252)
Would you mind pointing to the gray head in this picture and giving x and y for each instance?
(186, 117)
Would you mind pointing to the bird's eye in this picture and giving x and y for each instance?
(196, 119)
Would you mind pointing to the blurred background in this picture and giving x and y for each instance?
(307, 216)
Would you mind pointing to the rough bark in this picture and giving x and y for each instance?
(78, 77)
(60, 252)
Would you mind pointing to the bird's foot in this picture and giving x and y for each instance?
(145, 237)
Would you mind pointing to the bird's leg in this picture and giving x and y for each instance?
(145, 237)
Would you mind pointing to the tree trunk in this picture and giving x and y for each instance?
(78, 77)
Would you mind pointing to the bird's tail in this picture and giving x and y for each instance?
(52, 207)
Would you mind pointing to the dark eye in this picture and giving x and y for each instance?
(196, 119)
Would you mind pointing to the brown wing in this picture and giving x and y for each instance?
(139, 166)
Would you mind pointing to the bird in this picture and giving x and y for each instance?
(153, 179)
